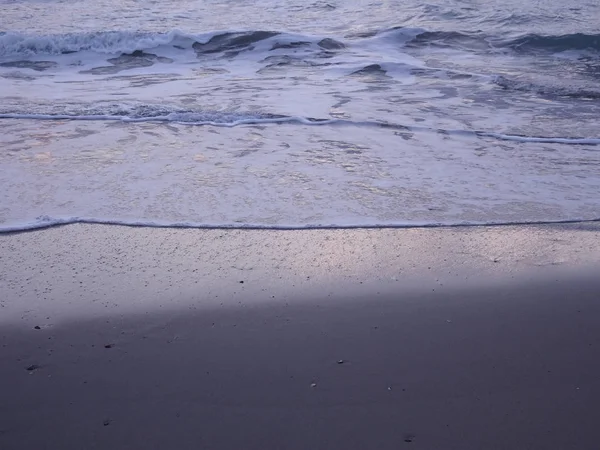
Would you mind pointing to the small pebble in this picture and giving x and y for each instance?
(313, 385)
(106, 422)
(108, 346)
(32, 367)
(341, 361)
(37, 327)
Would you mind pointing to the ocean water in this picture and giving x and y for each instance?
(297, 113)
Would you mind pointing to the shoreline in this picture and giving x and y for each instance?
(455, 338)
(184, 226)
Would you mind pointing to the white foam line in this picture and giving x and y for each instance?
(235, 123)
(48, 222)
(13, 44)
(175, 118)
(502, 137)
(110, 42)
(543, 140)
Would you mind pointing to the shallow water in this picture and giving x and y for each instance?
(293, 114)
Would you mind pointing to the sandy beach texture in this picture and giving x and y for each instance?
(451, 338)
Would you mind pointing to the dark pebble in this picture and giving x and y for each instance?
(37, 327)
(341, 361)
(241, 282)
(106, 422)
(108, 346)
(32, 367)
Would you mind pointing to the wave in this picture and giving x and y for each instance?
(555, 43)
(49, 222)
(216, 119)
(157, 113)
(451, 39)
(125, 42)
(548, 91)
(108, 42)
(529, 43)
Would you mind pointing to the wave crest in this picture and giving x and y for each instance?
(124, 42)
(530, 43)
(111, 42)
(556, 43)
(106, 42)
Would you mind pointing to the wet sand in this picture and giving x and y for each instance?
(450, 338)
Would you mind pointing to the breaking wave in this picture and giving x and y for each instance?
(125, 42)
(17, 44)
(114, 42)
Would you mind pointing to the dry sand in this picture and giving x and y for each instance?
(451, 338)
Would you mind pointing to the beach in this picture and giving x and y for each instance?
(299, 225)
(428, 338)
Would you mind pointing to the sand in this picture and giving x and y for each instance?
(451, 338)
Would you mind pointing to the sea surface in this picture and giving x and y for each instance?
(290, 113)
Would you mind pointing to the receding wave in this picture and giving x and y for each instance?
(158, 113)
(219, 119)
